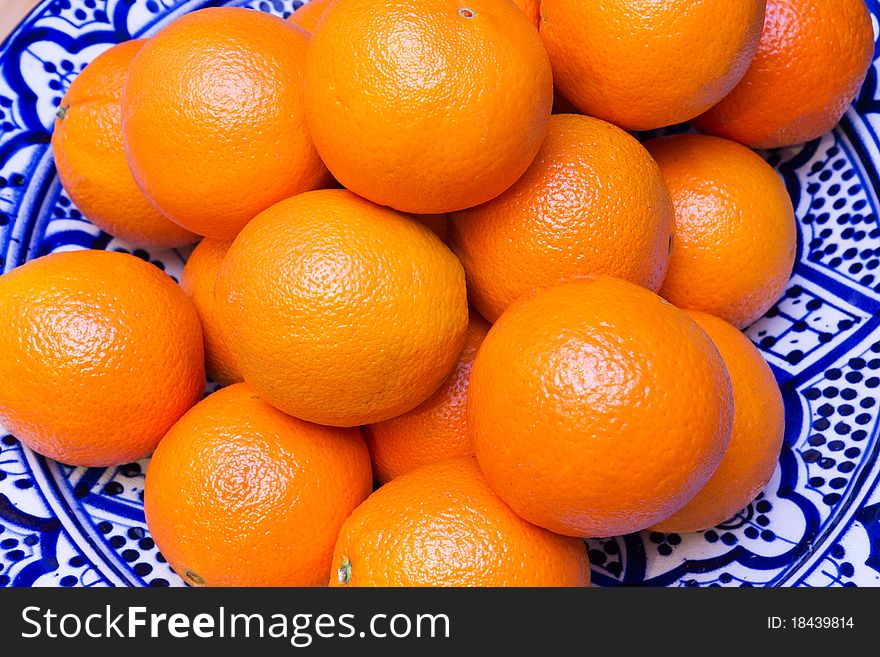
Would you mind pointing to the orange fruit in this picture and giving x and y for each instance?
(102, 353)
(592, 202)
(643, 64)
(597, 408)
(441, 525)
(532, 10)
(307, 15)
(811, 60)
(213, 120)
(427, 106)
(758, 427)
(339, 311)
(734, 229)
(434, 430)
(90, 159)
(240, 494)
(199, 277)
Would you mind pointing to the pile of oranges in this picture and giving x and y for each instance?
(459, 331)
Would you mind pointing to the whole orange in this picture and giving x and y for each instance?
(734, 230)
(198, 280)
(441, 525)
(592, 202)
(427, 106)
(102, 354)
(90, 159)
(240, 494)
(339, 311)
(307, 15)
(597, 408)
(213, 119)
(812, 58)
(434, 430)
(643, 64)
(758, 427)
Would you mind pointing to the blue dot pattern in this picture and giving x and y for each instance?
(839, 222)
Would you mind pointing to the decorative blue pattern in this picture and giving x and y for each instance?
(817, 523)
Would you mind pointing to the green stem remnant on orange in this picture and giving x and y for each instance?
(344, 572)
(194, 579)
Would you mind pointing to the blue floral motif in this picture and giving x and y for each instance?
(817, 523)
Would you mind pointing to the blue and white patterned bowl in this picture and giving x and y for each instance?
(816, 524)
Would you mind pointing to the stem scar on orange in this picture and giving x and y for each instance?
(90, 158)
(441, 525)
(240, 494)
(427, 106)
